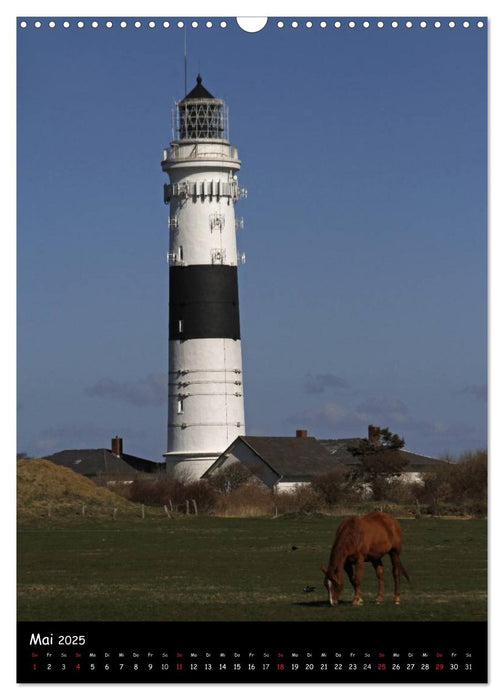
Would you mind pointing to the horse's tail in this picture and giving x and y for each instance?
(404, 572)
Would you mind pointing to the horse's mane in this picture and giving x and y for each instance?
(348, 539)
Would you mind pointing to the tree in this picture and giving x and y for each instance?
(380, 460)
(231, 477)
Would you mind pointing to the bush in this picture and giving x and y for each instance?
(229, 478)
(249, 500)
(459, 488)
(333, 487)
(301, 499)
(394, 489)
(164, 489)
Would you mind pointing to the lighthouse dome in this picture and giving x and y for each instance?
(198, 91)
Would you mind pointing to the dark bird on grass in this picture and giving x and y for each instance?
(308, 589)
(293, 548)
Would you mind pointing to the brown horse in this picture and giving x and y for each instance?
(358, 540)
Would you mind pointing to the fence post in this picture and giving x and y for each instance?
(49, 510)
(171, 504)
(143, 511)
(83, 511)
(195, 505)
(187, 507)
(167, 511)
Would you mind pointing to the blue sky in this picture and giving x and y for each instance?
(363, 295)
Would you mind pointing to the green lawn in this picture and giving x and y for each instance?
(237, 569)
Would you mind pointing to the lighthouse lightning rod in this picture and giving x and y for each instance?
(185, 60)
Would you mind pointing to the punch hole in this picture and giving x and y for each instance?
(451, 24)
(337, 25)
(481, 25)
(294, 25)
(180, 25)
(23, 25)
(52, 25)
(109, 25)
(280, 25)
(365, 25)
(209, 25)
(194, 25)
(38, 25)
(223, 25)
(252, 24)
(152, 25)
(94, 25)
(309, 25)
(437, 24)
(380, 25)
(166, 25)
(124, 25)
(323, 25)
(138, 25)
(466, 24)
(351, 25)
(80, 25)
(409, 24)
(423, 24)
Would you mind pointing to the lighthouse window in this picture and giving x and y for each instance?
(181, 253)
(180, 325)
(180, 406)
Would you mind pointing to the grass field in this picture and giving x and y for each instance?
(204, 568)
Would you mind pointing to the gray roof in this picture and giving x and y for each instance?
(339, 449)
(92, 462)
(291, 457)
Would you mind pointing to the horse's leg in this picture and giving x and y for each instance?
(350, 572)
(378, 567)
(396, 572)
(358, 574)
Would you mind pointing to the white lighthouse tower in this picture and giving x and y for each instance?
(205, 385)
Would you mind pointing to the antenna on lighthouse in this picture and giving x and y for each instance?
(185, 60)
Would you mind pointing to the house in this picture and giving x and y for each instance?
(417, 465)
(105, 465)
(282, 463)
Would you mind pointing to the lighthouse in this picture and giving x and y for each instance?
(205, 380)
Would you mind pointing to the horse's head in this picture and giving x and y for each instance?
(333, 581)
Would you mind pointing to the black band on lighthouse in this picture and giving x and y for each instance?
(204, 302)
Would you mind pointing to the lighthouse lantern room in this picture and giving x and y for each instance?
(205, 384)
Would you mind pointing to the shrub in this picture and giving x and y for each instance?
(301, 499)
(460, 487)
(233, 476)
(249, 500)
(394, 489)
(163, 489)
(333, 487)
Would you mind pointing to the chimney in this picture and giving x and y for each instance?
(301, 433)
(117, 446)
(374, 435)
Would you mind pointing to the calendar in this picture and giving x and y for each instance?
(313, 511)
(252, 652)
